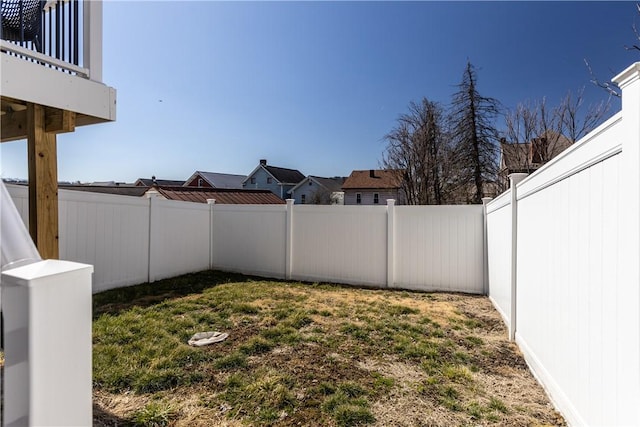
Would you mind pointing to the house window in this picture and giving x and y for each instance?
(358, 198)
(376, 198)
(269, 180)
(303, 199)
(310, 183)
(253, 180)
(199, 182)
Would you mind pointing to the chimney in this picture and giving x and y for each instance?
(263, 162)
(372, 173)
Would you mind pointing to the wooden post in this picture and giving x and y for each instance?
(43, 183)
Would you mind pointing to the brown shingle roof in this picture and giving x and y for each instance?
(373, 178)
(223, 196)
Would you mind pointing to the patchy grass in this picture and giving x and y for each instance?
(302, 354)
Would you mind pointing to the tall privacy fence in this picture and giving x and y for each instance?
(560, 253)
(564, 262)
(134, 240)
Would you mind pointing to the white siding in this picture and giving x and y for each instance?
(439, 248)
(345, 244)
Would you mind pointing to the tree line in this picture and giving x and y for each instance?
(449, 155)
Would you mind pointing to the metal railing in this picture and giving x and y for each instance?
(55, 33)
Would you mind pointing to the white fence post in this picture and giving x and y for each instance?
(629, 254)
(485, 247)
(153, 208)
(514, 178)
(211, 203)
(289, 240)
(390, 243)
(47, 320)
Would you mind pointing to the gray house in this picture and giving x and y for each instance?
(316, 190)
(278, 180)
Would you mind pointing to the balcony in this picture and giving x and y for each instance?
(51, 55)
(51, 71)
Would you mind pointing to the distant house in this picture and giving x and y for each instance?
(529, 156)
(215, 180)
(222, 196)
(149, 182)
(317, 190)
(373, 187)
(277, 180)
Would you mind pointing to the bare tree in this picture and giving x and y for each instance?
(535, 133)
(611, 89)
(415, 150)
(322, 196)
(474, 134)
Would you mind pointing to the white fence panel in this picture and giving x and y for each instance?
(343, 244)
(439, 248)
(180, 236)
(110, 232)
(20, 196)
(571, 324)
(499, 254)
(250, 239)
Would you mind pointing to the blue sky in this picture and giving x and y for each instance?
(315, 86)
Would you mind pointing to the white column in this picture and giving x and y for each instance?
(515, 179)
(628, 285)
(289, 240)
(92, 38)
(47, 319)
(390, 243)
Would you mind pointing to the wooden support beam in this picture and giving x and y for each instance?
(13, 126)
(59, 121)
(43, 183)
(14, 123)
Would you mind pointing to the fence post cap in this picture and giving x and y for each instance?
(391, 202)
(628, 76)
(211, 201)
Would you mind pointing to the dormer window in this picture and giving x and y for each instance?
(269, 180)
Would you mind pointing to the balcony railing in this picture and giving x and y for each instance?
(62, 34)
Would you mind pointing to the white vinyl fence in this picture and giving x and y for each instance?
(562, 256)
(566, 280)
(134, 240)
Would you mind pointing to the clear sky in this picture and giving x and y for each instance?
(216, 86)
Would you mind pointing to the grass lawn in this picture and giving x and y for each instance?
(300, 354)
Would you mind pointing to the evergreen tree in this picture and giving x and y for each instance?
(474, 135)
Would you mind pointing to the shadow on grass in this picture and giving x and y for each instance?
(104, 418)
(146, 294)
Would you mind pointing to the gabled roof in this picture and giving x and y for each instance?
(281, 175)
(219, 180)
(331, 184)
(373, 179)
(223, 196)
(148, 182)
(284, 175)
